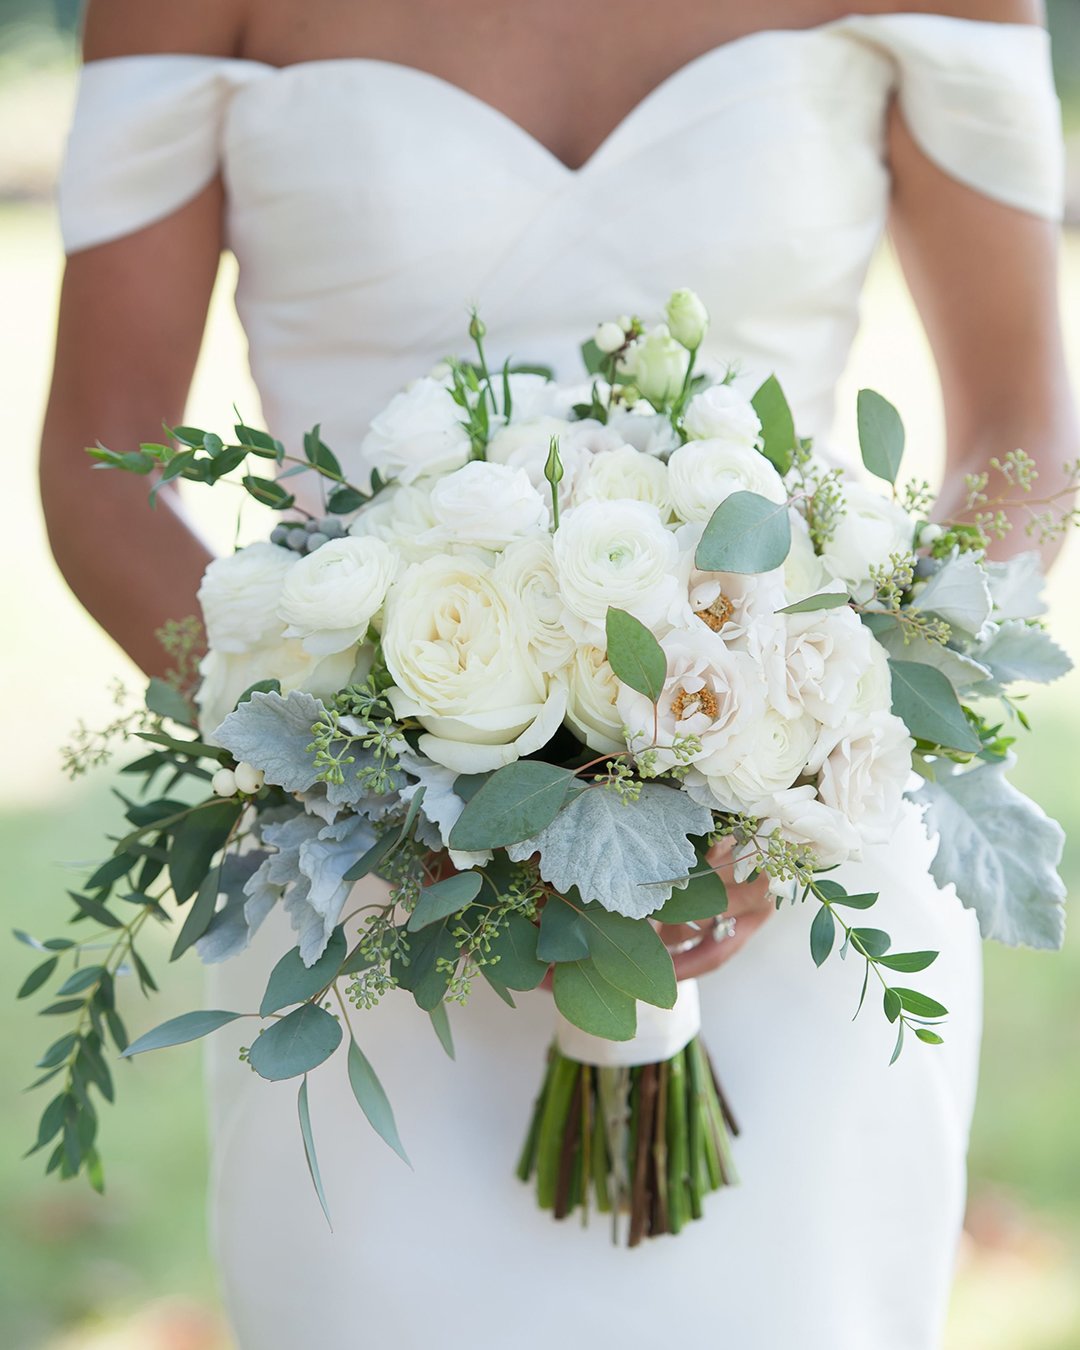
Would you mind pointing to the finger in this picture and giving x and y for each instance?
(709, 953)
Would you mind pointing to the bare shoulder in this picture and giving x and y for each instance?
(135, 28)
(989, 11)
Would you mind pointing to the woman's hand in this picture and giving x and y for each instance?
(749, 904)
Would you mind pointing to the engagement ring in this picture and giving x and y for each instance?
(723, 927)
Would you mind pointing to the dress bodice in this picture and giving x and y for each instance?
(369, 204)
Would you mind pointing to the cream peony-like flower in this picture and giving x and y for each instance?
(418, 432)
(702, 474)
(779, 751)
(624, 474)
(721, 413)
(486, 505)
(330, 596)
(592, 713)
(402, 517)
(459, 655)
(526, 569)
(239, 596)
(871, 530)
(865, 772)
(739, 607)
(804, 819)
(826, 655)
(614, 554)
(656, 365)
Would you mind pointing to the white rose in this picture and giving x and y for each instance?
(225, 676)
(526, 569)
(625, 474)
(418, 432)
(614, 554)
(871, 530)
(865, 773)
(803, 818)
(687, 318)
(330, 596)
(702, 474)
(401, 517)
(487, 505)
(647, 431)
(239, 596)
(804, 572)
(459, 655)
(827, 653)
(656, 365)
(776, 756)
(591, 710)
(527, 445)
(710, 691)
(721, 413)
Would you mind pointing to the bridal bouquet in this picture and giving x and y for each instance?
(552, 646)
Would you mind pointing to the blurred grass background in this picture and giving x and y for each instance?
(132, 1271)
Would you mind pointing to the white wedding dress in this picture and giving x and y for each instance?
(368, 204)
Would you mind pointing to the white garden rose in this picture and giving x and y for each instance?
(721, 413)
(777, 755)
(402, 517)
(865, 773)
(227, 675)
(239, 596)
(526, 570)
(871, 530)
(733, 604)
(418, 432)
(804, 819)
(687, 318)
(614, 554)
(711, 692)
(458, 651)
(624, 474)
(592, 713)
(330, 596)
(804, 572)
(702, 474)
(486, 505)
(655, 364)
(827, 653)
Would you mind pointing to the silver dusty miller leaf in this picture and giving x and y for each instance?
(273, 732)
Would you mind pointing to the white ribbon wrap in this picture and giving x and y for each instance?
(661, 1033)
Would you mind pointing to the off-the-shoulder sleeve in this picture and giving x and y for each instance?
(979, 100)
(145, 139)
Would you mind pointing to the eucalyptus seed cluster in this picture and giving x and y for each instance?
(308, 535)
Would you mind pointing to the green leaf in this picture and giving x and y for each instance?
(920, 1005)
(822, 935)
(826, 600)
(83, 978)
(585, 998)
(440, 1020)
(51, 1122)
(259, 441)
(343, 501)
(269, 492)
(299, 1042)
(630, 954)
(777, 424)
(596, 362)
(500, 989)
(423, 975)
(110, 871)
(304, 1112)
(881, 435)
(195, 841)
(564, 935)
(444, 898)
(899, 1044)
(58, 1051)
(745, 534)
(199, 915)
(908, 962)
(369, 861)
(515, 803)
(835, 894)
(927, 703)
(373, 1100)
(514, 945)
(703, 897)
(194, 436)
(178, 1030)
(163, 699)
(634, 655)
(893, 1006)
(874, 941)
(319, 454)
(292, 982)
(928, 1037)
(37, 977)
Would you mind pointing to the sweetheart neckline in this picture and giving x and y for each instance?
(640, 109)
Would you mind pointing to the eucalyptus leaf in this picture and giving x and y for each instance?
(320, 455)
(874, 941)
(178, 1030)
(564, 934)
(372, 1099)
(919, 1005)
(925, 700)
(443, 898)
(304, 1112)
(440, 1021)
(167, 701)
(635, 656)
(514, 946)
(515, 803)
(299, 1042)
(195, 841)
(37, 977)
(823, 600)
(198, 916)
(908, 962)
(587, 1000)
(881, 435)
(292, 982)
(631, 956)
(822, 935)
(746, 534)
(777, 424)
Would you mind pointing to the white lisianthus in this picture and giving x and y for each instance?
(711, 692)
(227, 675)
(687, 318)
(402, 517)
(865, 772)
(526, 569)
(239, 596)
(614, 553)
(330, 596)
(487, 505)
(592, 713)
(721, 413)
(826, 655)
(656, 365)
(702, 474)
(459, 655)
(804, 572)
(804, 819)
(777, 755)
(869, 532)
(625, 474)
(418, 432)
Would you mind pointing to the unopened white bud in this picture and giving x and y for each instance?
(930, 534)
(609, 337)
(224, 783)
(687, 318)
(248, 778)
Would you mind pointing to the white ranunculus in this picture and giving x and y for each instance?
(487, 505)
(702, 474)
(330, 596)
(871, 530)
(239, 597)
(527, 445)
(226, 675)
(803, 818)
(418, 432)
(526, 569)
(592, 713)
(778, 752)
(625, 474)
(614, 554)
(401, 517)
(655, 364)
(458, 652)
(721, 413)
(865, 773)
(533, 396)
(804, 572)
(827, 653)
(711, 692)
(647, 431)
(687, 318)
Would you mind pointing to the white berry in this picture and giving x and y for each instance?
(248, 778)
(609, 337)
(224, 783)
(930, 534)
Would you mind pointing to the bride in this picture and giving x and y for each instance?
(375, 168)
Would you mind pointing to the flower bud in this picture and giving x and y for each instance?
(247, 778)
(656, 365)
(553, 469)
(477, 327)
(930, 534)
(609, 337)
(687, 319)
(223, 783)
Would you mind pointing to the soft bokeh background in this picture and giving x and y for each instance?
(132, 1270)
